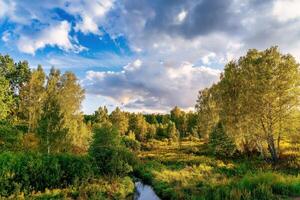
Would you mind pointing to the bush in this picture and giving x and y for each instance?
(130, 143)
(29, 172)
(220, 143)
(110, 156)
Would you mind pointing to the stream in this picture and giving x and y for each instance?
(144, 192)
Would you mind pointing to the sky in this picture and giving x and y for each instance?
(144, 55)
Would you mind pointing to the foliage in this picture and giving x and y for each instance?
(220, 143)
(31, 99)
(130, 143)
(110, 156)
(256, 98)
(138, 125)
(31, 171)
(6, 100)
(10, 137)
(51, 130)
(120, 120)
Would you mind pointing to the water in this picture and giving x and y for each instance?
(144, 192)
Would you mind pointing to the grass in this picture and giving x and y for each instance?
(188, 171)
(118, 188)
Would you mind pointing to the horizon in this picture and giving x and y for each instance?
(144, 56)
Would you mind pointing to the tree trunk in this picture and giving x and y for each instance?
(272, 149)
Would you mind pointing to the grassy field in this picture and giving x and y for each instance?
(188, 171)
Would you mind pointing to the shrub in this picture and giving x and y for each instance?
(130, 143)
(28, 172)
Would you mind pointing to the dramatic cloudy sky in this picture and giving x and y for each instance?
(144, 55)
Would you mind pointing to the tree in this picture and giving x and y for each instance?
(207, 111)
(172, 132)
(230, 95)
(110, 156)
(71, 96)
(179, 118)
(101, 115)
(6, 99)
(256, 98)
(220, 143)
(192, 124)
(17, 75)
(51, 129)
(138, 125)
(32, 97)
(272, 95)
(120, 120)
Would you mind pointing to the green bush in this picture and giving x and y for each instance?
(29, 172)
(110, 156)
(130, 143)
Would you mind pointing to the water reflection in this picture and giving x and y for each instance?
(144, 192)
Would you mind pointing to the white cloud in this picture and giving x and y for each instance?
(55, 35)
(6, 8)
(87, 25)
(91, 14)
(286, 10)
(208, 58)
(152, 85)
(181, 16)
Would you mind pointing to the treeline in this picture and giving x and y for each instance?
(255, 105)
(40, 112)
(143, 127)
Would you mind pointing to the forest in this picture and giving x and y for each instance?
(241, 142)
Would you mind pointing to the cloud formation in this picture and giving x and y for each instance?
(176, 47)
(152, 85)
(55, 35)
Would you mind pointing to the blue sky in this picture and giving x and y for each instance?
(141, 55)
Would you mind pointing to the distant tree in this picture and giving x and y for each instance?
(101, 115)
(179, 118)
(220, 143)
(192, 124)
(151, 118)
(120, 120)
(138, 125)
(151, 131)
(161, 132)
(171, 131)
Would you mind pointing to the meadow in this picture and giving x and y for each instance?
(187, 170)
